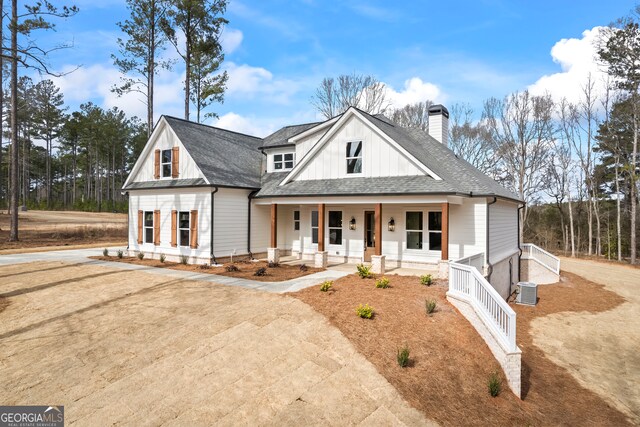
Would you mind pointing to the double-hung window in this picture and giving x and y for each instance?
(314, 226)
(414, 230)
(435, 231)
(354, 157)
(296, 220)
(165, 163)
(148, 227)
(283, 161)
(335, 227)
(184, 228)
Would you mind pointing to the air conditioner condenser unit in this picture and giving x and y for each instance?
(527, 293)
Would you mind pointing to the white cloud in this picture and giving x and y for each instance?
(238, 123)
(246, 81)
(231, 40)
(415, 90)
(577, 59)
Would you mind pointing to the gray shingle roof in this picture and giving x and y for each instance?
(281, 137)
(167, 183)
(226, 158)
(458, 176)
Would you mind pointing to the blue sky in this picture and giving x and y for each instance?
(278, 52)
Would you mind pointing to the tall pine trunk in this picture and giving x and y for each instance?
(633, 179)
(618, 222)
(14, 122)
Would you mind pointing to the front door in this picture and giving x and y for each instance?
(369, 235)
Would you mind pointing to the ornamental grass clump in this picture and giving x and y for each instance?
(430, 306)
(403, 357)
(364, 271)
(140, 256)
(365, 311)
(326, 286)
(184, 259)
(494, 384)
(163, 258)
(383, 283)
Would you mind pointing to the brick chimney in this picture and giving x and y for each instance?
(439, 123)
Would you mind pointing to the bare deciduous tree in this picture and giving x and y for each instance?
(335, 95)
(412, 115)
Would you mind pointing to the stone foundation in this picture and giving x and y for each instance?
(321, 259)
(377, 264)
(273, 255)
(533, 271)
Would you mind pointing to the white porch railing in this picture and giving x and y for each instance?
(466, 283)
(543, 257)
(476, 261)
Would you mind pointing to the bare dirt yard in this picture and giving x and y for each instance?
(245, 269)
(122, 347)
(450, 364)
(63, 229)
(599, 348)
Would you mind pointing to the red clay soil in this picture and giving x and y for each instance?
(450, 364)
(247, 269)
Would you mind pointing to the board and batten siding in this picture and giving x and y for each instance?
(467, 228)
(305, 144)
(503, 230)
(166, 139)
(167, 200)
(379, 158)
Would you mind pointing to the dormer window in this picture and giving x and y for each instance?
(166, 163)
(354, 157)
(283, 161)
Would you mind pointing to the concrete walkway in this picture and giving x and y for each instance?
(81, 256)
(122, 346)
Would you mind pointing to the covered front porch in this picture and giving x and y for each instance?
(412, 235)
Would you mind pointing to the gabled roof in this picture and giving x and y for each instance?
(458, 177)
(226, 158)
(281, 137)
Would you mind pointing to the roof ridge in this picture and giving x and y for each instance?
(210, 127)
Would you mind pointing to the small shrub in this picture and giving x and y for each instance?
(105, 252)
(364, 271)
(403, 356)
(382, 283)
(426, 280)
(184, 259)
(119, 254)
(273, 264)
(494, 384)
(326, 285)
(231, 268)
(430, 306)
(303, 267)
(365, 311)
(163, 258)
(260, 272)
(204, 266)
(140, 256)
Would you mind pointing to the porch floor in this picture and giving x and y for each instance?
(351, 267)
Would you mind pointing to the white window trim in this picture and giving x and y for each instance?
(178, 237)
(145, 227)
(311, 227)
(333, 245)
(284, 162)
(346, 159)
(429, 230)
(162, 164)
(298, 221)
(425, 231)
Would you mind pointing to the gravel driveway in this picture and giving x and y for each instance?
(602, 350)
(127, 347)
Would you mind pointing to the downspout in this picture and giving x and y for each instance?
(519, 248)
(213, 258)
(489, 265)
(253, 193)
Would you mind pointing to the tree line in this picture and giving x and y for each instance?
(574, 163)
(55, 158)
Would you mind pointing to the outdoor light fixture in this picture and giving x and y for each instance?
(392, 225)
(352, 223)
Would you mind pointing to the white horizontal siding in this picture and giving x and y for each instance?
(230, 219)
(260, 228)
(467, 228)
(165, 139)
(379, 158)
(503, 230)
(166, 201)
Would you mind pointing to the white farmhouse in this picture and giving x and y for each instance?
(355, 188)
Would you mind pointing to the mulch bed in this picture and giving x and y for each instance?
(247, 269)
(451, 365)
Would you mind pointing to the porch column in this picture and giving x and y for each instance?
(445, 232)
(321, 258)
(273, 253)
(377, 260)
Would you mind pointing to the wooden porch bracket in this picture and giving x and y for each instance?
(378, 229)
(321, 227)
(445, 232)
(274, 225)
